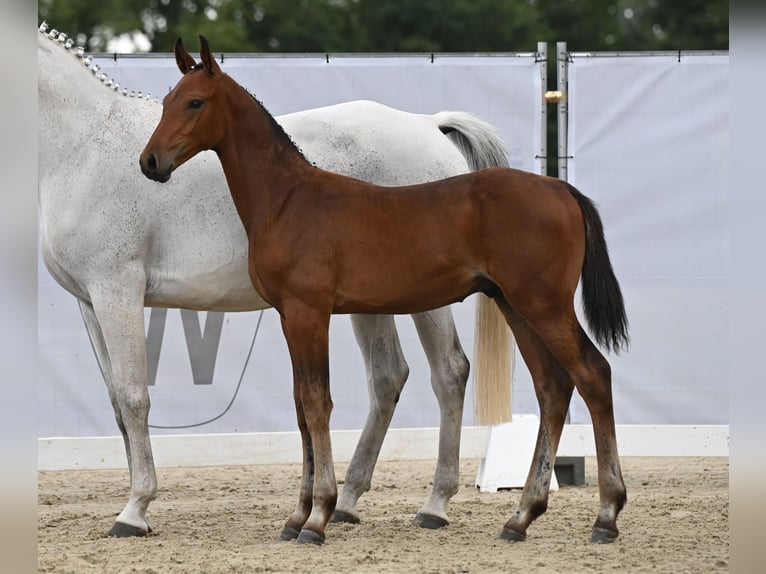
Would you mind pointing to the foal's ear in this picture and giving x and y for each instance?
(183, 59)
(208, 60)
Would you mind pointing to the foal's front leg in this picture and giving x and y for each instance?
(306, 331)
(295, 523)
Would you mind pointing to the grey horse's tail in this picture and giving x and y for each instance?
(493, 350)
(476, 139)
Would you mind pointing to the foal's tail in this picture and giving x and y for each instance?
(493, 349)
(601, 294)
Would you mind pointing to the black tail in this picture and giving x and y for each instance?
(601, 294)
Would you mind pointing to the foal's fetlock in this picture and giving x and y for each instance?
(605, 528)
(515, 530)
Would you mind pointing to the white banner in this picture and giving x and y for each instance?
(649, 142)
(194, 378)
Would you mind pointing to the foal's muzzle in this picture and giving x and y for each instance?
(150, 168)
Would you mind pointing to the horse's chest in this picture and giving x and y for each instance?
(279, 269)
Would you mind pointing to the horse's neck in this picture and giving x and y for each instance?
(73, 106)
(259, 160)
(76, 105)
(77, 112)
(69, 121)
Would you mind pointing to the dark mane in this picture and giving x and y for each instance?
(278, 130)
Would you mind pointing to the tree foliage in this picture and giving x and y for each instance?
(396, 25)
(333, 26)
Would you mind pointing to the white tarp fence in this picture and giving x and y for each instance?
(648, 140)
(504, 90)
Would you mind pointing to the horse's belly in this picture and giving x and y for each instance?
(226, 288)
(408, 295)
(61, 275)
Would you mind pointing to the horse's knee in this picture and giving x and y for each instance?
(387, 383)
(595, 384)
(118, 416)
(458, 367)
(133, 408)
(602, 367)
(449, 377)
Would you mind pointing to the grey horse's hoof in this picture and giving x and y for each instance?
(122, 530)
(288, 533)
(310, 537)
(603, 535)
(343, 516)
(429, 521)
(513, 535)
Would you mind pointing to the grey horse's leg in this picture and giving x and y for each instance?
(387, 372)
(115, 323)
(449, 375)
(102, 358)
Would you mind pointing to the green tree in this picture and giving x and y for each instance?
(295, 26)
(93, 23)
(458, 26)
(689, 25)
(398, 25)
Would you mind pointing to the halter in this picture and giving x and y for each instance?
(79, 51)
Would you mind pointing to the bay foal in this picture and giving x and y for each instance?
(321, 243)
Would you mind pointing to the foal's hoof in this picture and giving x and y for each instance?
(429, 521)
(603, 535)
(289, 533)
(310, 537)
(343, 516)
(513, 535)
(122, 530)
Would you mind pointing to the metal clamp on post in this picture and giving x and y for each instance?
(554, 97)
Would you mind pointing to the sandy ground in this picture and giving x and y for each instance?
(227, 520)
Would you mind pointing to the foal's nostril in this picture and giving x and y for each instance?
(151, 163)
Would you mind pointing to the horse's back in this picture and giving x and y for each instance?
(529, 206)
(396, 248)
(364, 140)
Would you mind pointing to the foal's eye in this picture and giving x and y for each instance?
(195, 104)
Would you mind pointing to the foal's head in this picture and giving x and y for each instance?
(193, 115)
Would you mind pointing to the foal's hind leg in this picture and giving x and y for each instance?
(591, 375)
(449, 374)
(387, 372)
(596, 391)
(553, 389)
